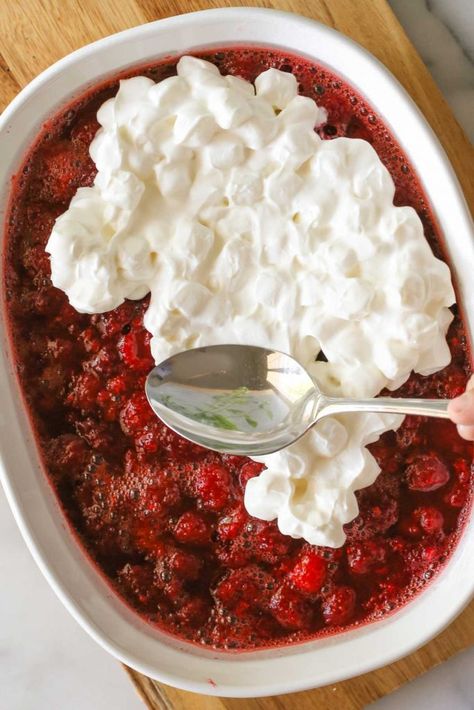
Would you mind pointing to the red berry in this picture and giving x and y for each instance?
(410, 528)
(429, 518)
(148, 441)
(309, 573)
(61, 350)
(233, 556)
(249, 470)
(445, 436)
(363, 556)
(230, 525)
(456, 497)
(194, 612)
(118, 320)
(290, 609)
(416, 386)
(37, 345)
(387, 590)
(136, 414)
(146, 534)
(162, 494)
(110, 408)
(90, 339)
(247, 587)
(184, 564)
(102, 362)
(411, 433)
(68, 314)
(232, 461)
(53, 379)
(68, 452)
(462, 469)
(451, 382)
(118, 385)
(244, 631)
(84, 393)
(378, 513)
(137, 582)
(420, 556)
(338, 607)
(46, 301)
(192, 528)
(398, 545)
(134, 349)
(387, 457)
(176, 592)
(267, 542)
(178, 447)
(151, 488)
(36, 261)
(426, 472)
(212, 486)
(97, 434)
(430, 554)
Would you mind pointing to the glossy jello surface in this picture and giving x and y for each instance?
(164, 519)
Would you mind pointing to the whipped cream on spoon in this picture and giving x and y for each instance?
(249, 400)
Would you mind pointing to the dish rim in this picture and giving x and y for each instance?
(278, 658)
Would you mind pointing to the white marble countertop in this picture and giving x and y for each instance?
(47, 661)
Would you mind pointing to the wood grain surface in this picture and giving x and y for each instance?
(36, 33)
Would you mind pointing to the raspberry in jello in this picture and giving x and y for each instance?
(164, 519)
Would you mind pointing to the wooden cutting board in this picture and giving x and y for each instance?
(35, 33)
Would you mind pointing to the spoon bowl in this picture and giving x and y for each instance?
(252, 401)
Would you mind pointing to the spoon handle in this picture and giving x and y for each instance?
(393, 405)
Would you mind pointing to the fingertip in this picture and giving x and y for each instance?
(461, 409)
(466, 432)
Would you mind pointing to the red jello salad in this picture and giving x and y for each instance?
(245, 196)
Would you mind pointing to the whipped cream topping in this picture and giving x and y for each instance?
(219, 198)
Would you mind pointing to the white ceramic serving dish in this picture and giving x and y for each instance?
(80, 587)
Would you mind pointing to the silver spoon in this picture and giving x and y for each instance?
(242, 399)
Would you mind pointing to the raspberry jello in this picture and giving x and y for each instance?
(250, 213)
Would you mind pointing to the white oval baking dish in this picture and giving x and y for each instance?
(77, 583)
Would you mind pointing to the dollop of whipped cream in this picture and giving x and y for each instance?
(219, 198)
